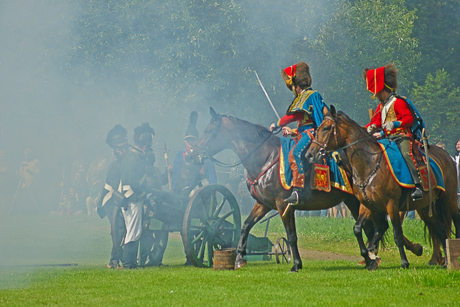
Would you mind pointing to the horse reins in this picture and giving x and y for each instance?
(227, 165)
(253, 183)
(325, 152)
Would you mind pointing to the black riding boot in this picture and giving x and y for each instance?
(417, 193)
(294, 198)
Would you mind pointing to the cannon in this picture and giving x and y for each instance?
(209, 220)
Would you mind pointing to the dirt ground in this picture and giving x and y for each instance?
(317, 255)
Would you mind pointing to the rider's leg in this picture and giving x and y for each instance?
(297, 166)
(404, 146)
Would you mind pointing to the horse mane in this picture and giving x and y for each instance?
(253, 132)
(354, 123)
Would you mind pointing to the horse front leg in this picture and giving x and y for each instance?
(371, 264)
(393, 212)
(257, 213)
(381, 225)
(289, 224)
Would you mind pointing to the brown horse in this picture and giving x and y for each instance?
(259, 152)
(374, 186)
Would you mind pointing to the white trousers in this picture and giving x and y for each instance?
(133, 221)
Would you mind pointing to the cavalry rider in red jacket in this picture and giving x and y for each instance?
(308, 110)
(393, 116)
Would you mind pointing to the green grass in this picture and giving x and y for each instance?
(29, 242)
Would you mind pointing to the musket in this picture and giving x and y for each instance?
(428, 171)
(167, 167)
(266, 95)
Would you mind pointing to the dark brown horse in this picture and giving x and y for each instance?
(374, 186)
(259, 152)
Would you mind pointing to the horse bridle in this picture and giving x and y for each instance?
(323, 147)
(323, 151)
(222, 164)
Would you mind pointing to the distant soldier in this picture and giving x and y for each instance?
(153, 243)
(187, 174)
(27, 172)
(28, 169)
(109, 204)
(134, 189)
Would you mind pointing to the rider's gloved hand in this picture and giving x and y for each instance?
(371, 128)
(388, 126)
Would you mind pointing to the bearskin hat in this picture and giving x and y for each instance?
(143, 135)
(192, 132)
(380, 78)
(117, 137)
(297, 74)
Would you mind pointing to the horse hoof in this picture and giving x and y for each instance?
(362, 262)
(240, 263)
(372, 266)
(418, 250)
(294, 270)
(378, 260)
(405, 265)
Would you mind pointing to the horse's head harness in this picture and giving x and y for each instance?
(323, 146)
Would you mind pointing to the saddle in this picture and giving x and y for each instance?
(419, 159)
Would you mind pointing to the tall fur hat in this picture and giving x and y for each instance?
(192, 132)
(117, 137)
(143, 135)
(379, 78)
(297, 74)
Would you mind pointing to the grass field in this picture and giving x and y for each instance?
(31, 248)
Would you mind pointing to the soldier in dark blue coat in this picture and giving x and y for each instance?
(108, 204)
(135, 190)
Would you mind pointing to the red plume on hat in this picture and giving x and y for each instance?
(297, 74)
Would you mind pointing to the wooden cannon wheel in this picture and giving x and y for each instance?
(212, 221)
(282, 251)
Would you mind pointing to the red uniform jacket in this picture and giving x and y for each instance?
(400, 112)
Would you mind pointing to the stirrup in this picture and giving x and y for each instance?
(293, 199)
(417, 194)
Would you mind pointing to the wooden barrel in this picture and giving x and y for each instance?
(224, 259)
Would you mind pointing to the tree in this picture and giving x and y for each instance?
(438, 100)
(364, 34)
(437, 31)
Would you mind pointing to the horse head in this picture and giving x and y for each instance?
(212, 140)
(327, 137)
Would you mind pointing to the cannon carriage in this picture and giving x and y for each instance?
(209, 220)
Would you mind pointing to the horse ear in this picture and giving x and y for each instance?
(332, 111)
(213, 113)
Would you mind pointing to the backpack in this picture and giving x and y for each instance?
(418, 125)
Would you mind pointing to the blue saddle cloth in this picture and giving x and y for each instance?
(338, 176)
(399, 168)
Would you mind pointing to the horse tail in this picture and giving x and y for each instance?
(443, 219)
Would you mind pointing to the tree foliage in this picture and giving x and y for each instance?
(438, 100)
(183, 53)
(364, 34)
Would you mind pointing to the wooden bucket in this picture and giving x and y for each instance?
(224, 259)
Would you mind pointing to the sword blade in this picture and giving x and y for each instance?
(266, 95)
